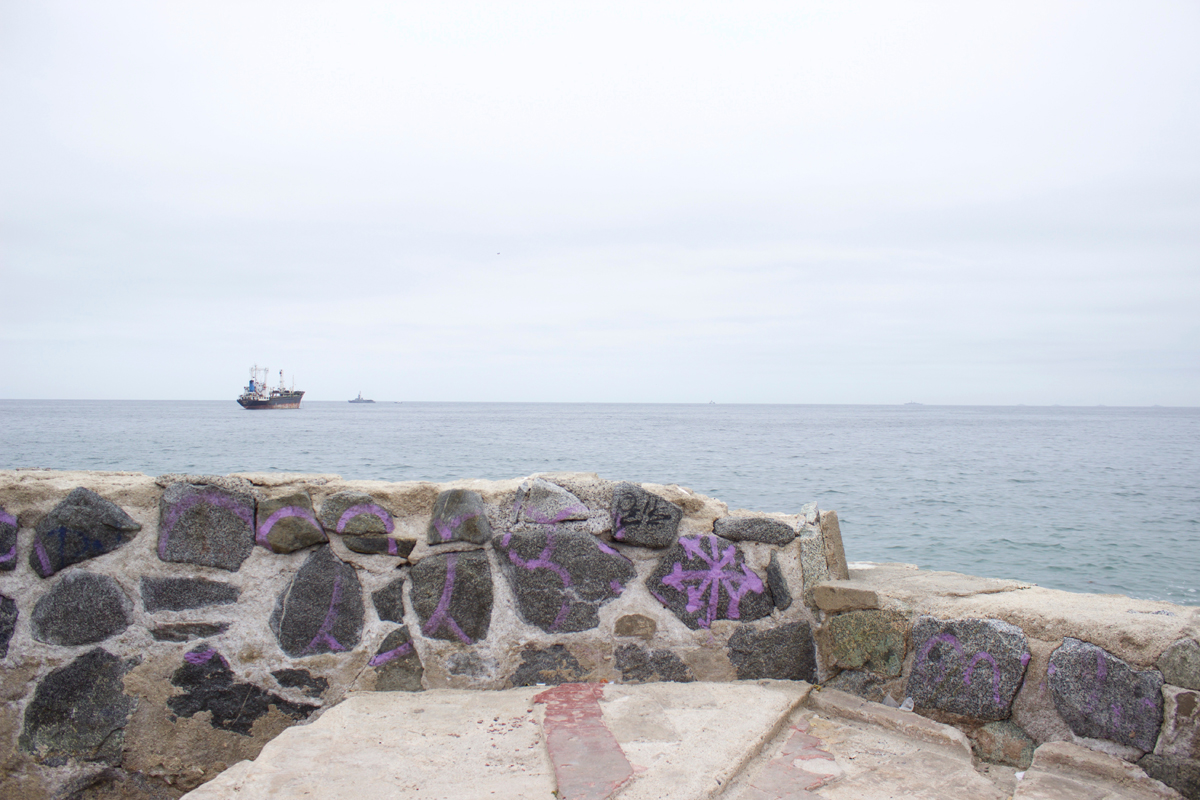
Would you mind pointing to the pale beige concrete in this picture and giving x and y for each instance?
(1064, 771)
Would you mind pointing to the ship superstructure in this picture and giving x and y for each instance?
(257, 394)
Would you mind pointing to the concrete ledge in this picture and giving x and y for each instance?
(1065, 771)
(847, 706)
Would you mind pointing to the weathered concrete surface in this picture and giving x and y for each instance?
(1063, 771)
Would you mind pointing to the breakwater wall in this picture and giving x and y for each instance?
(154, 631)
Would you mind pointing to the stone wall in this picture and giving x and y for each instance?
(155, 630)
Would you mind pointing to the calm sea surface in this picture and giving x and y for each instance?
(1085, 499)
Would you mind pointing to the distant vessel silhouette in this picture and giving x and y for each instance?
(360, 399)
(258, 395)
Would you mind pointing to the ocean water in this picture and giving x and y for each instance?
(1083, 499)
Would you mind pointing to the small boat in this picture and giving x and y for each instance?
(360, 399)
(258, 394)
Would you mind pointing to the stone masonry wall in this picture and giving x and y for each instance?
(155, 630)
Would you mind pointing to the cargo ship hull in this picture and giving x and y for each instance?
(279, 401)
(258, 395)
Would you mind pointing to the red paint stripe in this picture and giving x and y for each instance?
(588, 762)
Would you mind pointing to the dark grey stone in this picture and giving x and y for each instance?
(459, 515)
(639, 665)
(81, 608)
(705, 578)
(1181, 774)
(397, 664)
(187, 631)
(379, 545)
(300, 679)
(754, 529)
(177, 594)
(1180, 664)
(551, 666)
(8, 541)
(208, 685)
(452, 595)
(642, 518)
(861, 683)
(561, 578)
(971, 667)
(79, 712)
(355, 514)
(8, 622)
(1100, 696)
(287, 524)
(206, 525)
(777, 583)
(540, 502)
(786, 652)
(321, 610)
(84, 525)
(389, 601)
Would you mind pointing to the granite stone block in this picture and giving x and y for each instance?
(81, 608)
(452, 595)
(705, 578)
(206, 525)
(786, 652)
(397, 664)
(8, 541)
(1100, 696)
(373, 545)
(872, 640)
(540, 502)
(355, 514)
(754, 529)
(640, 665)
(459, 515)
(321, 609)
(389, 601)
(551, 666)
(287, 524)
(642, 518)
(83, 526)
(8, 622)
(971, 667)
(1180, 664)
(178, 594)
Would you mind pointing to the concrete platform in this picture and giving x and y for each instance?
(761, 740)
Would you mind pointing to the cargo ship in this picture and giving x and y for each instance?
(258, 395)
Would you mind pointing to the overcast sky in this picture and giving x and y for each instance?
(665, 202)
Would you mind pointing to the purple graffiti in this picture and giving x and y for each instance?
(615, 586)
(383, 658)
(605, 548)
(324, 633)
(441, 614)
(923, 656)
(1101, 677)
(43, 558)
(722, 573)
(204, 656)
(7, 519)
(287, 511)
(1024, 660)
(540, 519)
(365, 508)
(982, 656)
(10, 555)
(619, 529)
(446, 531)
(543, 562)
(1050, 670)
(208, 495)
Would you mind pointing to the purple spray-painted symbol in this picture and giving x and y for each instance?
(209, 495)
(543, 562)
(383, 658)
(325, 632)
(204, 656)
(287, 511)
(441, 615)
(365, 508)
(703, 586)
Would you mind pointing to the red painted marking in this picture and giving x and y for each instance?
(783, 777)
(588, 762)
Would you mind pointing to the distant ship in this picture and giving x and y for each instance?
(360, 399)
(258, 395)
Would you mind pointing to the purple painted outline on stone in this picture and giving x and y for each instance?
(210, 495)
(43, 558)
(204, 656)
(543, 562)
(923, 656)
(10, 555)
(557, 518)
(618, 527)
(616, 587)
(383, 658)
(323, 633)
(1024, 660)
(7, 518)
(981, 656)
(713, 579)
(441, 614)
(446, 531)
(287, 511)
(365, 508)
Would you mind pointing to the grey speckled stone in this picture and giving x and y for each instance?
(543, 503)
(1100, 696)
(813, 565)
(178, 594)
(79, 712)
(866, 685)
(1181, 774)
(8, 622)
(561, 579)
(397, 664)
(705, 578)
(786, 652)
(875, 640)
(187, 631)
(373, 545)
(355, 514)
(1180, 734)
(777, 583)
(389, 601)
(81, 608)
(8, 541)
(321, 610)
(1004, 743)
(287, 524)
(1180, 664)
(459, 515)
(642, 518)
(452, 595)
(551, 666)
(639, 665)
(971, 667)
(205, 525)
(84, 525)
(754, 529)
